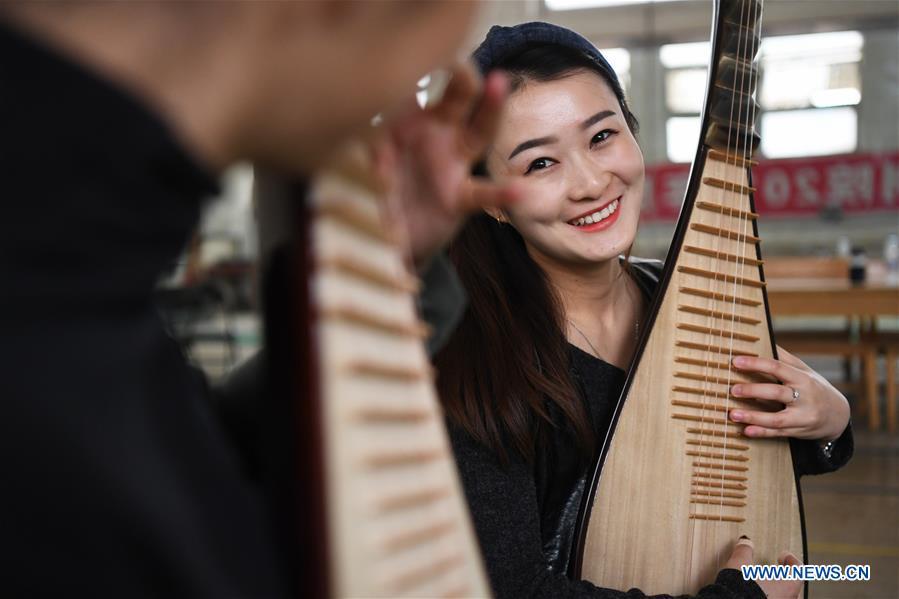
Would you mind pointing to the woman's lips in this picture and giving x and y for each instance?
(604, 218)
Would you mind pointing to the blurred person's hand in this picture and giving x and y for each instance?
(742, 555)
(814, 409)
(426, 157)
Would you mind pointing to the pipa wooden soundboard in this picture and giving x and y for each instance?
(677, 482)
(396, 517)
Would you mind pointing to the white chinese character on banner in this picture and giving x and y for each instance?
(889, 182)
(850, 184)
(805, 180)
(675, 185)
(776, 188)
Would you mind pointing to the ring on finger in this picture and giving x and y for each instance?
(795, 394)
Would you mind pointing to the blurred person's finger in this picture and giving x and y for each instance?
(460, 95)
(486, 117)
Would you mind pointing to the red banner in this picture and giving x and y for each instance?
(851, 184)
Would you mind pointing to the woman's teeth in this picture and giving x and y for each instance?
(597, 216)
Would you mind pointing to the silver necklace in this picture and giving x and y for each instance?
(587, 339)
(576, 328)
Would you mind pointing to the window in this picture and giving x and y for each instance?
(620, 61)
(577, 4)
(815, 132)
(682, 135)
(810, 87)
(685, 87)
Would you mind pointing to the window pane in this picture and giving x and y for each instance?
(620, 61)
(812, 132)
(685, 90)
(682, 138)
(575, 4)
(695, 54)
(818, 69)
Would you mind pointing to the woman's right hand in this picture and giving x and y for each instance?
(774, 589)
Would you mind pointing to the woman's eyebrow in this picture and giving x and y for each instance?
(596, 118)
(532, 143)
(540, 141)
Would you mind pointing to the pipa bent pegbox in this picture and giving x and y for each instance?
(676, 482)
(379, 506)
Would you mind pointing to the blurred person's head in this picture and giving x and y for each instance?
(280, 83)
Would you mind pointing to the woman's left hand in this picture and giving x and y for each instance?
(814, 409)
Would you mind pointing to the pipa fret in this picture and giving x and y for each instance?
(414, 329)
(731, 159)
(700, 406)
(699, 391)
(351, 216)
(408, 580)
(719, 255)
(719, 484)
(413, 498)
(725, 233)
(729, 185)
(403, 457)
(389, 371)
(720, 466)
(717, 333)
(706, 378)
(710, 493)
(723, 277)
(705, 363)
(719, 456)
(727, 211)
(727, 502)
(392, 414)
(721, 297)
(734, 317)
(707, 419)
(707, 443)
(710, 431)
(353, 267)
(717, 517)
(416, 536)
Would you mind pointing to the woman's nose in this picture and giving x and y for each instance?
(587, 181)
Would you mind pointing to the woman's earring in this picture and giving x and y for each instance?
(500, 218)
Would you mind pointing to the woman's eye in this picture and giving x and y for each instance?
(601, 136)
(538, 165)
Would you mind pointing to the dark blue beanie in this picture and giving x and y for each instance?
(504, 42)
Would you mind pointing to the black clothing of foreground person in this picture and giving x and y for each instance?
(118, 478)
(115, 122)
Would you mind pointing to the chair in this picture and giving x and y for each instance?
(844, 341)
(886, 343)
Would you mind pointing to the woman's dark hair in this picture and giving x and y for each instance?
(505, 371)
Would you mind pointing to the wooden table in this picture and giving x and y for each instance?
(879, 296)
(829, 297)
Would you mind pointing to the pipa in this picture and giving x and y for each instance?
(676, 482)
(377, 507)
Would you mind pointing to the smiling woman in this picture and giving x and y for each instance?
(530, 379)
